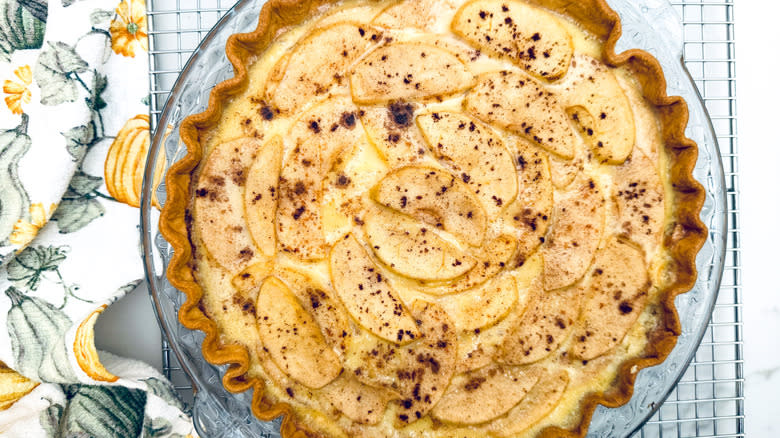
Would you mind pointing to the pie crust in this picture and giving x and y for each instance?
(683, 235)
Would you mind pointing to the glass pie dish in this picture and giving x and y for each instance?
(650, 24)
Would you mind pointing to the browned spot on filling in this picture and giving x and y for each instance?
(238, 176)
(212, 195)
(474, 383)
(266, 112)
(343, 181)
(246, 305)
(316, 296)
(347, 120)
(430, 361)
(401, 113)
(246, 253)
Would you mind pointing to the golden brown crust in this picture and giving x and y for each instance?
(683, 238)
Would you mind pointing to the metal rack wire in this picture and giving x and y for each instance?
(709, 400)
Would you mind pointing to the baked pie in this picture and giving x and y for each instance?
(435, 217)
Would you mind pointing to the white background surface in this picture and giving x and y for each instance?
(758, 96)
(129, 327)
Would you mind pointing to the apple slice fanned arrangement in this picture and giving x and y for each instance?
(440, 225)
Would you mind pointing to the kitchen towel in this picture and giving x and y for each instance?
(74, 135)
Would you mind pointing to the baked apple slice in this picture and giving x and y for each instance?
(546, 322)
(617, 293)
(530, 215)
(322, 304)
(260, 196)
(219, 195)
(473, 58)
(598, 104)
(299, 212)
(531, 38)
(482, 306)
(541, 119)
(293, 389)
(578, 222)
(563, 172)
(402, 71)
(317, 139)
(436, 198)
(292, 337)
(252, 277)
(419, 14)
(639, 195)
(419, 372)
(359, 402)
(490, 259)
(347, 13)
(335, 118)
(317, 62)
(392, 131)
(484, 394)
(413, 249)
(475, 153)
(538, 402)
(367, 294)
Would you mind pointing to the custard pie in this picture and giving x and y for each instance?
(440, 218)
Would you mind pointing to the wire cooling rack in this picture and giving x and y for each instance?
(709, 399)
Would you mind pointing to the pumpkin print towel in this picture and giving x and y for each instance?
(74, 135)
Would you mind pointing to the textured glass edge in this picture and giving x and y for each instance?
(216, 412)
(652, 25)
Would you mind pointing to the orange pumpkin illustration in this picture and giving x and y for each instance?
(13, 386)
(126, 161)
(84, 349)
